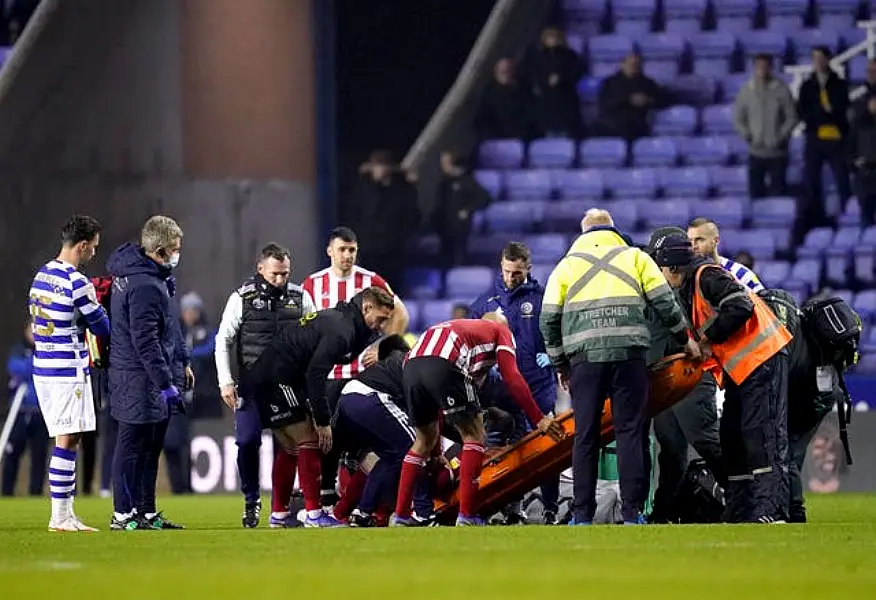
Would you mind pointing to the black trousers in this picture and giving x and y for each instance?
(176, 454)
(767, 176)
(109, 433)
(135, 466)
(694, 422)
(816, 153)
(754, 444)
(28, 432)
(865, 188)
(331, 461)
(798, 443)
(626, 383)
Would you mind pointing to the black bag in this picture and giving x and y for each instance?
(784, 307)
(699, 499)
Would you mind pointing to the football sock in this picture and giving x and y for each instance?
(472, 460)
(412, 467)
(62, 482)
(309, 467)
(352, 494)
(283, 479)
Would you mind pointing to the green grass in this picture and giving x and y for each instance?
(832, 557)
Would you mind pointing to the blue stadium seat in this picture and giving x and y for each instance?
(807, 270)
(738, 148)
(851, 216)
(552, 153)
(712, 45)
(782, 237)
(726, 212)
(602, 69)
(661, 213)
(732, 84)
(490, 181)
(800, 290)
(696, 90)
(846, 238)
(773, 272)
(805, 40)
(849, 297)
(433, 312)
(661, 46)
(837, 15)
(422, 283)
(865, 304)
(581, 184)
(761, 247)
(786, 15)
(425, 246)
(625, 214)
(816, 242)
(541, 272)
(609, 48)
(677, 120)
(683, 16)
(468, 281)
(718, 119)
(413, 308)
(795, 148)
(851, 35)
(603, 152)
(529, 184)
(485, 249)
(711, 67)
(687, 182)
(866, 365)
(774, 212)
(865, 265)
(565, 215)
(663, 72)
(735, 15)
(868, 237)
(633, 17)
(549, 247)
(585, 9)
(631, 183)
(696, 151)
(501, 154)
(730, 181)
(654, 152)
(515, 216)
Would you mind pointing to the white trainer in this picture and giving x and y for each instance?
(69, 524)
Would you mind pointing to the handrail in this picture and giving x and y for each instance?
(24, 45)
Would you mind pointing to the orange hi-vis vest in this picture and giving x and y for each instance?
(762, 336)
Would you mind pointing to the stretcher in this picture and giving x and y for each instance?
(509, 473)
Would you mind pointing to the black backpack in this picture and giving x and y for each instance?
(699, 499)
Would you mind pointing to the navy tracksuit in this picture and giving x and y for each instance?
(522, 307)
(29, 429)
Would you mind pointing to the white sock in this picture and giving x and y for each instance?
(280, 515)
(123, 516)
(62, 482)
(149, 515)
(315, 514)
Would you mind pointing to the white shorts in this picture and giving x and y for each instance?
(67, 406)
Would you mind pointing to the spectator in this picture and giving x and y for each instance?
(385, 213)
(554, 70)
(460, 311)
(200, 338)
(626, 100)
(870, 84)
(29, 429)
(459, 195)
(505, 109)
(764, 116)
(863, 149)
(745, 259)
(823, 106)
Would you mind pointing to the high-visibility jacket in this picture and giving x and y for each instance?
(761, 338)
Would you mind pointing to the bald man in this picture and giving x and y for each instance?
(704, 235)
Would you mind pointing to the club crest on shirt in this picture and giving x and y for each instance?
(291, 304)
(526, 309)
(258, 304)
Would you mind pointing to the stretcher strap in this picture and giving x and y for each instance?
(844, 416)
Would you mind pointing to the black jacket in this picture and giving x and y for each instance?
(386, 377)
(265, 309)
(811, 111)
(614, 98)
(302, 354)
(505, 112)
(719, 288)
(862, 141)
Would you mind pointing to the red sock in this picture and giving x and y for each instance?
(382, 514)
(443, 482)
(412, 467)
(283, 479)
(472, 461)
(352, 494)
(344, 477)
(309, 471)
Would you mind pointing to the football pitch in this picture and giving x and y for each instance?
(831, 557)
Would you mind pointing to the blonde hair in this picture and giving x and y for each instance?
(159, 232)
(596, 217)
(495, 318)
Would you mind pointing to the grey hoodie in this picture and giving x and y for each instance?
(764, 115)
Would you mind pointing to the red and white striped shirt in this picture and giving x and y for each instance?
(327, 289)
(474, 346)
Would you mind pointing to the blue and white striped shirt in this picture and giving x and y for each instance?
(743, 274)
(62, 304)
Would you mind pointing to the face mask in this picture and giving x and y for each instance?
(174, 261)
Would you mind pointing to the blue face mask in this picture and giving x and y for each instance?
(174, 261)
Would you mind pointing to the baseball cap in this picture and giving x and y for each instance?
(673, 250)
(661, 233)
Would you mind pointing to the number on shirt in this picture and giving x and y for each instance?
(37, 310)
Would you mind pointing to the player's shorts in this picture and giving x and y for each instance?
(281, 406)
(431, 384)
(67, 405)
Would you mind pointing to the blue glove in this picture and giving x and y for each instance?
(542, 360)
(173, 399)
(494, 372)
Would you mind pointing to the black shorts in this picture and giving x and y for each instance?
(432, 384)
(279, 405)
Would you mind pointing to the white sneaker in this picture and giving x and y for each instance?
(69, 524)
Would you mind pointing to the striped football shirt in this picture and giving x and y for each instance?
(62, 304)
(743, 274)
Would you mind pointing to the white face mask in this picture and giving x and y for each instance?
(174, 261)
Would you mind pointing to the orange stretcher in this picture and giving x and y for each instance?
(513, 471)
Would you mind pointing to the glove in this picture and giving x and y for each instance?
(494, 372)
(171, 286)
(173, 399)
(542, 360)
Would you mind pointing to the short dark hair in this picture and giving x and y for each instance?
(79, 228)
(700, 221)
(465, 308)
(515, 251)
(276, 251)
(378, 297)
(344, 234)
(764, 56)
(826, 51)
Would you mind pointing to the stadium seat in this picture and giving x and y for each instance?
(732, 84)
(837, 15)
(631, 183)
(602, 69)
(413, 308)
(552, 153)
(696, 90)
(849, 297)
(795, 149)
(846, 238)
(422, 283)
(433, 312)
(490, 181)
(686, 182)
(609, 48)
(735, 15)
(603, 152)
(515, 216)
(696, 151)
(684, 16)
(865, 265)
(729, 181)
(718, 119)
(530, 184)
(468, 281)
(424, 246)
(541, 272)
(565, 215)
(550, 247)
(800, 290)
(661, 47)
(851, 216)
(816, 242)
(805, 40)
(661, 213)
(501, 154)
(738, 148)
(851, 35)
(773, 272)
(633, 17)
(713, 45)
(485, 249)
(807, 270)
(782, 238)
(584, 184)
(786, 15)
(726, 212)
(774, 212)
(761, 247)
(866, 365)
(625, 214)
(711, 67)
(677, 120)
(654, 152)
(865, 304)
